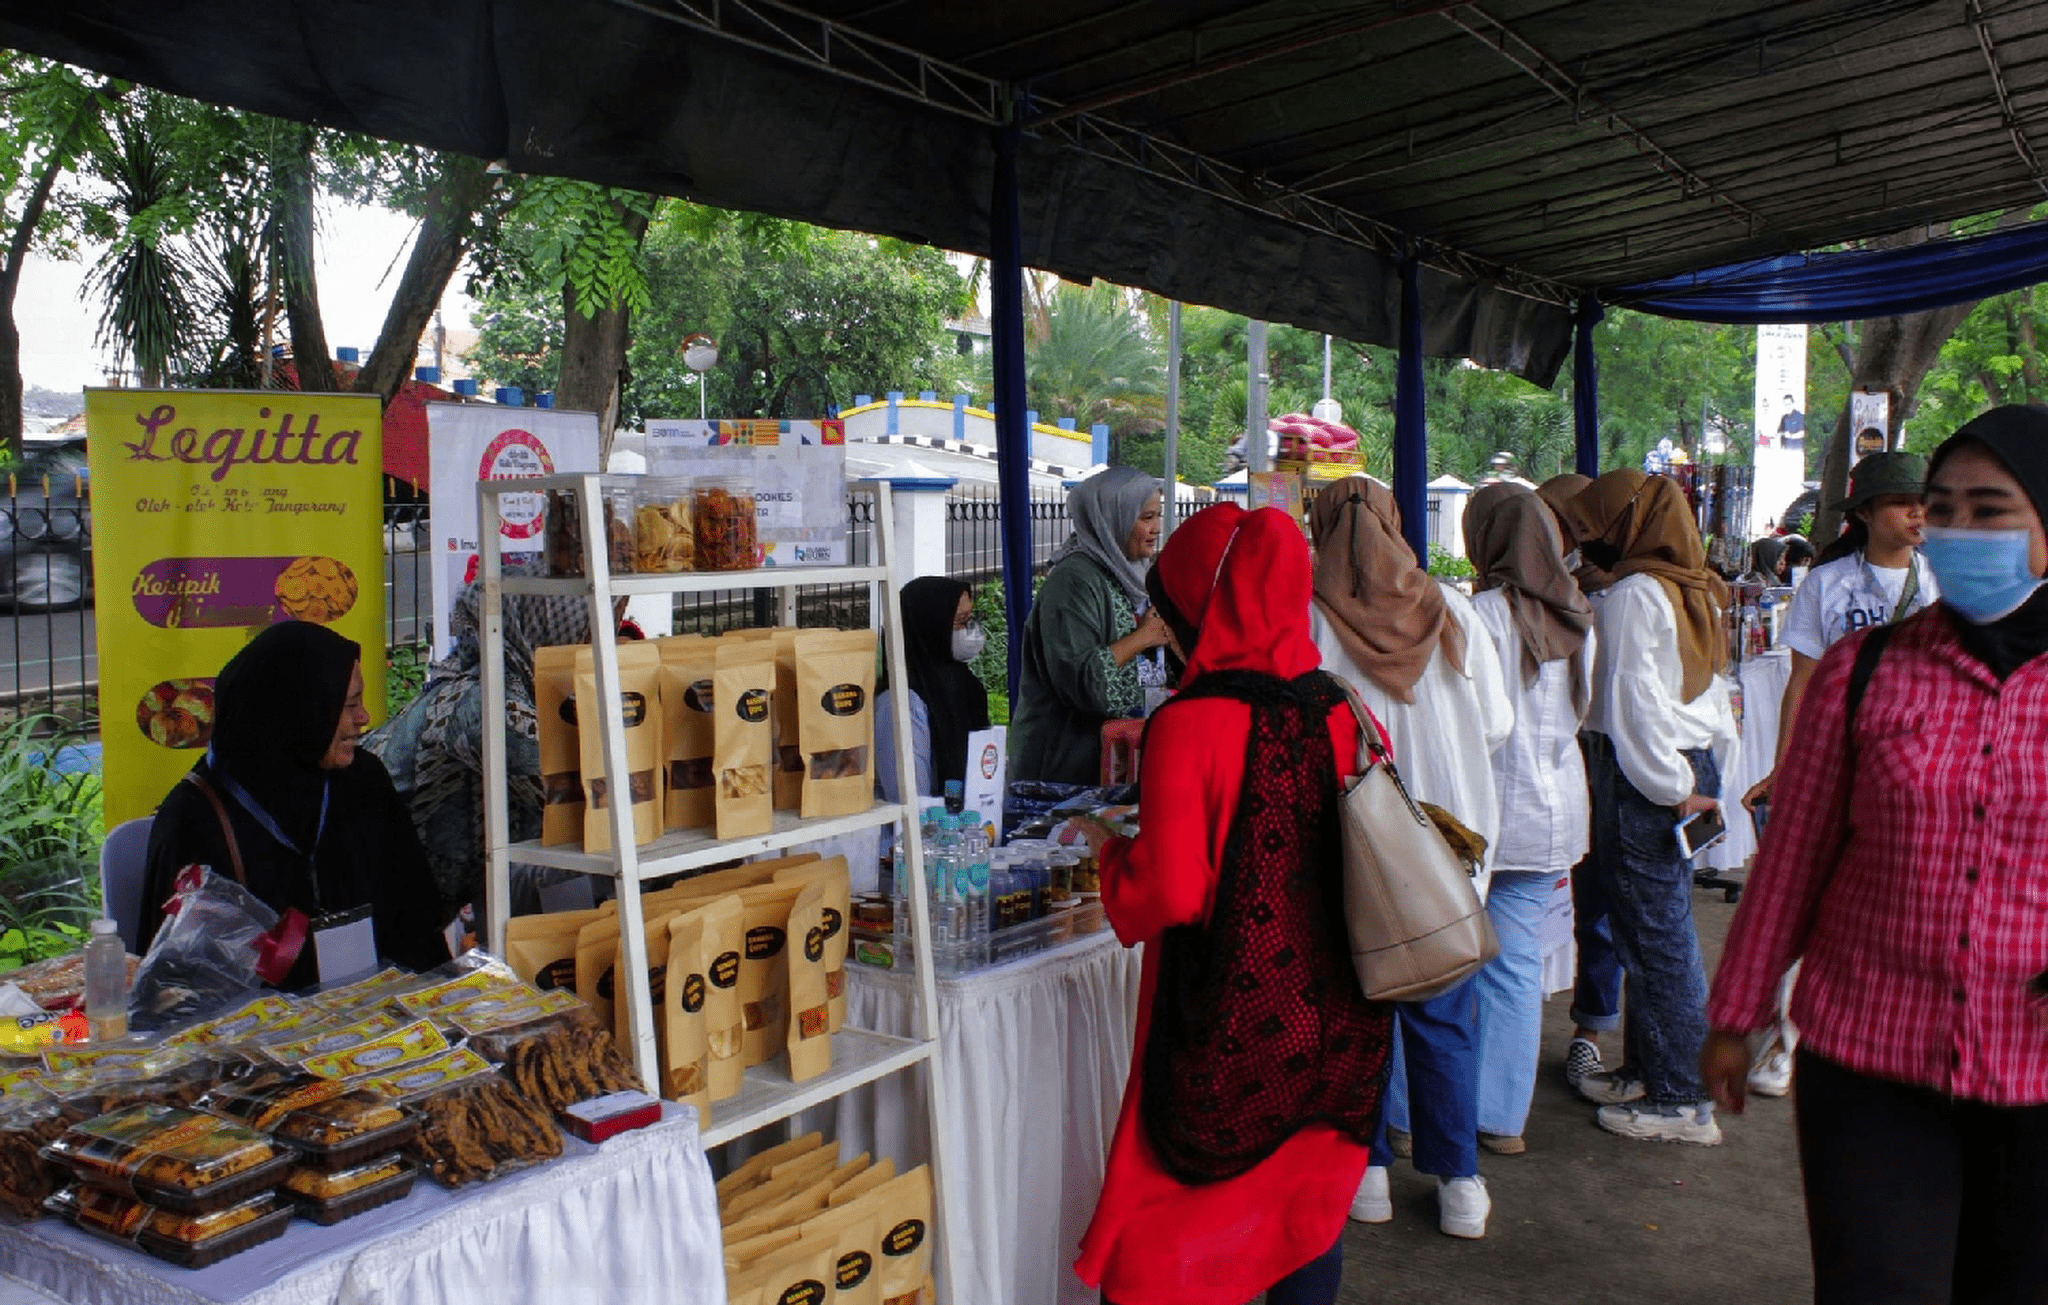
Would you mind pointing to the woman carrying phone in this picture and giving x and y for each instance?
(1923, 1066)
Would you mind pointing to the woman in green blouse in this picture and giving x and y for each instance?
(1082, 643)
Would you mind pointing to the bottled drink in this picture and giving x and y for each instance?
(975, 853)
(956, 797)
(106, 982)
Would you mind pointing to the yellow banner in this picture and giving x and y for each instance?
(217, 513)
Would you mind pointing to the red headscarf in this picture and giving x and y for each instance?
(1244, 580)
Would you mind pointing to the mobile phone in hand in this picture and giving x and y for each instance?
(1759, 816)
(1700, 831)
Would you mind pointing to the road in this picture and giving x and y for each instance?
(39, 649)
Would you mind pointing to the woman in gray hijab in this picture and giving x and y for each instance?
(1083, 641)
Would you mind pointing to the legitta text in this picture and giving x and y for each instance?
(231, 446)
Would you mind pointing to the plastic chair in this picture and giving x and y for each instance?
(124, 870)
(1121, 740)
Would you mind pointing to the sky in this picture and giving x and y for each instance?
(360, 253)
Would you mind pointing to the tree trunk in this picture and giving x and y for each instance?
(452, 202)
(594, 354)
(310, 355)
(1893, 354)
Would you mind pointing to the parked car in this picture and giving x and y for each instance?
(46, 538)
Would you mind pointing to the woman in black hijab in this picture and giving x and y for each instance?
(947, 702)
(285, 802)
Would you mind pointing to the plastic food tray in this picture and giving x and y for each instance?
(334, 1157)
(197, 1255)
(334, 1209)
(232, 1190)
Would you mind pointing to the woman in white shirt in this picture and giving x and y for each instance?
(1541, 626)
(1419, 658)
(1658, 716)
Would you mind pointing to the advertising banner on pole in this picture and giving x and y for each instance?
(218, 513)
(1780, 426)
(1870, 414)
(467, 442)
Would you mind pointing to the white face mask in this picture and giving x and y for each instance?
(968, 641)
(1572, 560)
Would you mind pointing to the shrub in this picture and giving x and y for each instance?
(51, 827)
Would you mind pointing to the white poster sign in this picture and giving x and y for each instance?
(1780, 457)
(468, 442)
(1870, 414)
(1555, 941)
(797, 470)
(987, 772)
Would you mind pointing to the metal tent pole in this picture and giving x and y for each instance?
(1586, 390)
(1257, 455)
(1172, 468)
(1013, 435)
(1411, 435)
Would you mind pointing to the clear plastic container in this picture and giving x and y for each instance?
(329, 1198)
(663, 541)
(106, 982)
(722, 519)
(567, 538)
(182, 1160)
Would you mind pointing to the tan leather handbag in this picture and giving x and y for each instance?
(1416, 924)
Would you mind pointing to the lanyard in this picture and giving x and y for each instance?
(269, 823)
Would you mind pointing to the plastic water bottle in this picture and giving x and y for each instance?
(948, 904)
(975, 854)
(106, 982)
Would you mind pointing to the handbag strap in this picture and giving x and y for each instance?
(1372, 749)
(227, 828)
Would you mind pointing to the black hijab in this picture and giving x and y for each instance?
(955, 704)
(2016, 435)
(277, 704)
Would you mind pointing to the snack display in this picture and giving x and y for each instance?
(317, 589)
(561, 749)
(835, 689)
(341, 1131)
(262, 1099)
(192, 1241)
(479, 1130)
(177, 713)
(564, 536)
(743, 738)
(687, 732)
(27, 1179)
(639, 689)
(182, 1160)
(662, 541)
(566, 1062)
(724, 518)
(329, 1198)
(415, 1041)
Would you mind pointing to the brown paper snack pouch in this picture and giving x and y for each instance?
(541, 949)
(595, 944)
(856, 1249)
(738, 1255)
(561, 755)
(853, 1169)
(764, 971)
(838, 908)
(743, 691)
(751, 1296)
(788, 1212)
(773, 1191)
(686, 1068)
(640, 708)
(798, 1274)
(835, 692)
(867, 1180)
(687, 666)
(722, 931)
(789, 754)
(810, 1020)
(687, 893)
(904, 1221)
(757, 1167)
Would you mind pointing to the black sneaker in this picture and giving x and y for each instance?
(1581, 1058)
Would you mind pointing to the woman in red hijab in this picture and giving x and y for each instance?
(1259, 1064)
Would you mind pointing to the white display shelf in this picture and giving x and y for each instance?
(692, 849)
(766, 1095)
(696, 582)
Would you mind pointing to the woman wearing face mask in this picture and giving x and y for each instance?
(947, 702)
(1083, 640)
(1904, 861)
(287, 804)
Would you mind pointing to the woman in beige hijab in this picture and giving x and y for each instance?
(1420, 659)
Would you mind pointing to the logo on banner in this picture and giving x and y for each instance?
(517, 455)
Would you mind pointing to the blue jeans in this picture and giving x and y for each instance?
(1596, 999)
(1437, 1050)
(1510, 992)
(1648, 887)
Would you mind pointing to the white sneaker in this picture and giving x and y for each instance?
(1374, 1203)
(1612, 1088)
(1693, 1124)
(1773, 1077)
(1462, 1207)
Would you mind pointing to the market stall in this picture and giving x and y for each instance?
(1039, 1050)
(1761, 680)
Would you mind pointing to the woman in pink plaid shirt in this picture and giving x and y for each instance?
(1907, 862)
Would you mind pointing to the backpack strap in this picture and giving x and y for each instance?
(227, 828)
(1867, 657)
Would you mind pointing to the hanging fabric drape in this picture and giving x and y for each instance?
(1586, 390)
(1411, 433)
(1013, 435)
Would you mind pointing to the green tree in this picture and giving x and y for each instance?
(1096, 362)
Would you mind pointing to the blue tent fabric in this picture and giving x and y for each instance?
(1586, 390)
(1013, 431)
(1411, 432)
(1836, 287)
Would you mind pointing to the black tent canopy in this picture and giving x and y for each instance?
(1278, 158)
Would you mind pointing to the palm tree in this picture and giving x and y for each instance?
(144, 280)
(1096, 362)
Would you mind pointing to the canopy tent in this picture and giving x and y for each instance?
(1450, 178)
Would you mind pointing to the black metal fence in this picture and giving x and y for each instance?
(819, 606)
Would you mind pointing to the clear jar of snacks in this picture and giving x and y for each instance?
(566, 536)
(662, 538)
(723, 524)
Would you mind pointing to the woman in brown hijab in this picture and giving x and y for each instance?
(1556, 493)
(1659, 715)
(1420, 659)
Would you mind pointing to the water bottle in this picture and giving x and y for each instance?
(975, 852)
(956, 797)
(949, 899)
(106, 982)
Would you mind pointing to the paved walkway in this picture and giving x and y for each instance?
(1587, 1217)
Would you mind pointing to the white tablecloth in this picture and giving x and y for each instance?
(1763, 689)
(635, 1220)
(1036, 1056)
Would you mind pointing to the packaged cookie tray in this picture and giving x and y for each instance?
(189, 1241)
(180, 1160)
(350, 1129)
(329, 1198)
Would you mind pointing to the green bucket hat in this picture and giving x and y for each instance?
(1884, 473)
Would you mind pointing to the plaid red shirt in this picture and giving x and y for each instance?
(1912, 877)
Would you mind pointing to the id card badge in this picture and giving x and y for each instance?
(345, 945)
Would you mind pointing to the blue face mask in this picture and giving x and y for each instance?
(1983, 574)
